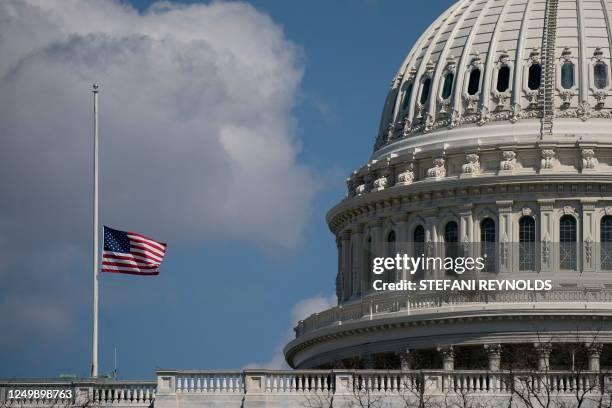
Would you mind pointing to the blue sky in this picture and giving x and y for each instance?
(227, 301)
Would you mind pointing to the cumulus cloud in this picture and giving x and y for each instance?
(301, 310)
(197, 133)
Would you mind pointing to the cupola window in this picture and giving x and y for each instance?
(601, 75)
(474, 82)
(567, 242)
(527, 237)
(447, 88)
(535, 77)
(567, 75)
(503, 79)
(407, 96)
(606, 242)
(487, 242)
(425, 91)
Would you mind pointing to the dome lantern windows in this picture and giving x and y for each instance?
(600, 75)
(567, 75)
(447, 87)
(474, 82)
(425, 88)
(503, 78)
(407, 96)
(534, 78)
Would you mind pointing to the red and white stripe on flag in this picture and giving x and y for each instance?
(131, 253)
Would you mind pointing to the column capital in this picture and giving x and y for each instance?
(401, 218)
(448, 352)
(346, 234)
(376, 222)
(493, 349)
(357, 228)
(594, 348)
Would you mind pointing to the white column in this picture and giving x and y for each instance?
(590, 254)
(431, 240)
(401, 234)
(356, 262)
(543, 351)
(505, 237)
(346, 264)
(378, 246)
(549, 246)
(494, 353)
(594, 351)
(448, 357)
(466, 229)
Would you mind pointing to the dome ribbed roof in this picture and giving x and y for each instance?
(486, 61)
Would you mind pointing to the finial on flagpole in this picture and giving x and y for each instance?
(95, 87)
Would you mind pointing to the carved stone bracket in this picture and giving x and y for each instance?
(589, 161)
(472, 165)
(509, 160)
(548, 159)
(438, 170)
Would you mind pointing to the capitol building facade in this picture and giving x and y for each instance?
(496, 142)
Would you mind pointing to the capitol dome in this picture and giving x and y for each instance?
(495, 140)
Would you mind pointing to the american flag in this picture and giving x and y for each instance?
(131, 253)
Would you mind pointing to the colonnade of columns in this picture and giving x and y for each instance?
(494, 354)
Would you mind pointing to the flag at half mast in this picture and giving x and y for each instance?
(131, 253)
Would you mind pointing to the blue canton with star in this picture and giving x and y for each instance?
(116, 241)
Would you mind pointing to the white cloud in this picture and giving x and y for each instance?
(196, 126)
(301, 310)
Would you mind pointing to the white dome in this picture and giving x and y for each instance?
(500, 46)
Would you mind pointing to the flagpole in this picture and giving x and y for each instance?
(94, 351)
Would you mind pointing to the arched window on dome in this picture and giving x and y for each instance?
(487, 243)
(418, 239)
(474, 82)
(600, 74)
(425, 91)
(535, 77)
(447, 87)
(606, 242)
(451, 242)
(503, 78)
(407, 96)
(391, 252)
(567, 242)
(567, 75)
(527, 244)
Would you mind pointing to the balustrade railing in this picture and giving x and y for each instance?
(209, 381)
(422, 304)
(77, 392)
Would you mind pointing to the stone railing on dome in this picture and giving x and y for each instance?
(304, 387)
(387, 304)
(87, 392)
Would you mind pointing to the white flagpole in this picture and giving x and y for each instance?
(94, 351)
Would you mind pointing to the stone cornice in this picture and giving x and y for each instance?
(420, 195)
